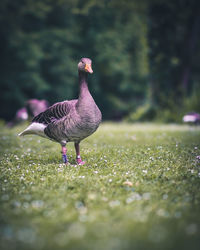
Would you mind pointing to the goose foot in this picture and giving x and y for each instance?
(78, 157)
(80, 162)
(64, 155)
(65, 160)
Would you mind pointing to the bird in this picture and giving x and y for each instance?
(192, 117)
(70, 120)
(35, 107)
(20, 116)
(32, 108)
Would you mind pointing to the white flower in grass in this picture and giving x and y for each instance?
(16, 157)
(144, 171)
(60, 169)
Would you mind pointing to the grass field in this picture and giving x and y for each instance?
(140, 189)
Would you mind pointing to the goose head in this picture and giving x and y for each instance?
(85, 65)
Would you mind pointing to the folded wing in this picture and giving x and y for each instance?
(55, 112)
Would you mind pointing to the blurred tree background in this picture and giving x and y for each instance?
(145, 55)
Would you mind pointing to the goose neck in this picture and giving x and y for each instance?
(85, 99)
(83, 78)
(83, 82)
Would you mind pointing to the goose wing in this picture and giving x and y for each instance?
(55, 112)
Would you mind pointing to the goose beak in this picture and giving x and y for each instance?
(88, 68)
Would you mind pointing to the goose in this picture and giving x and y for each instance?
(20, 116)
(69, 121)
(32, 108)
(35, 107)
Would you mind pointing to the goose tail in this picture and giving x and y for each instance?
(25, 132)
(34, 129)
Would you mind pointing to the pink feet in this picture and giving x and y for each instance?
(79, 161)
(78, 157)
(64, 154)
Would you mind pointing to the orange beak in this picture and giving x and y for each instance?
(88, 68)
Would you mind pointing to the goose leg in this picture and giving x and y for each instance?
(78, 157)
(64, 154)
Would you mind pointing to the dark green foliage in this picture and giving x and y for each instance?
(174, 56)
(143, 113)
(144, 52)
(44, 41)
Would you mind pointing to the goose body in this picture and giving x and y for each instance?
(69, 121)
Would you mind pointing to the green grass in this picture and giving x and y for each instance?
(46, 205)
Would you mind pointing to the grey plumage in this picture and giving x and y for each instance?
(70, 121)
(65, 122)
